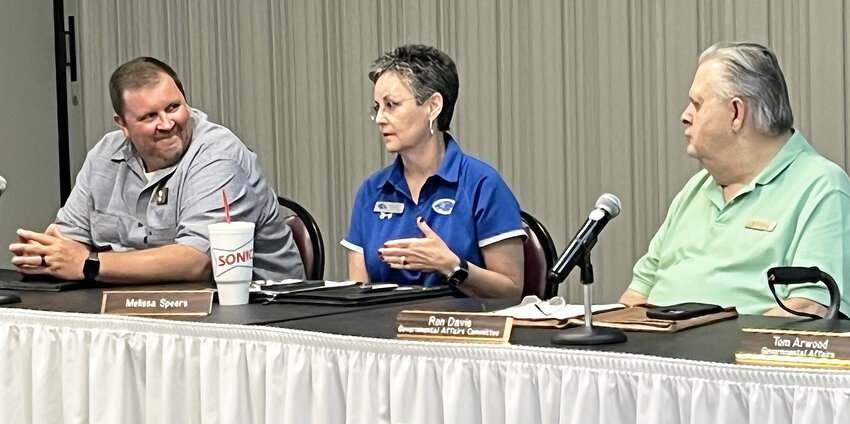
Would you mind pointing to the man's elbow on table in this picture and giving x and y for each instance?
(633, 297)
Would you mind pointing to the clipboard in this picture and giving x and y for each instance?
(633, 318)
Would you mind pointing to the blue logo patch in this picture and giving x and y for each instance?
(443, 206)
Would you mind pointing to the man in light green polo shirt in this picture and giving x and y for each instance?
(766, 198)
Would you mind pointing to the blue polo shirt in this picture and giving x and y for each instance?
(465, 202)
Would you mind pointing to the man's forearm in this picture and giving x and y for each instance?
(799, 304)
(174, 262)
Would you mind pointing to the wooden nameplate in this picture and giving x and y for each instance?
(453, 326)
(811, 348)
(157, 302)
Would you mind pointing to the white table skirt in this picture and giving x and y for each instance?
(78, 368)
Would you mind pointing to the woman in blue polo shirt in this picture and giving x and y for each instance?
(436, 215)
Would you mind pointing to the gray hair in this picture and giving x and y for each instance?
(425, 70)
(752, 72)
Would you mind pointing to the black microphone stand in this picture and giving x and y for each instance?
(586, 334)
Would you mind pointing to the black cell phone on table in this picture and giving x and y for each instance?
(6, 298)
(682, 311)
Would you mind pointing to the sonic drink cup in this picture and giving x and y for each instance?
(232, 251)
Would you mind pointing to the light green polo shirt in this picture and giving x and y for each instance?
(711, 251)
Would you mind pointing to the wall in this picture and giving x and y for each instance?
(29, 152)
(568, 99)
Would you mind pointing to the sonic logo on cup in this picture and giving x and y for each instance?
(233, 258)
(227, 260)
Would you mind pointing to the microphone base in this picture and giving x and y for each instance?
(585, 335)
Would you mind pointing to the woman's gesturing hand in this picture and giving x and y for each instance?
(428, 253)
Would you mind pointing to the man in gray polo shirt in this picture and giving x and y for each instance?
(146, 193)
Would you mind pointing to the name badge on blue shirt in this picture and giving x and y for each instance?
(387, 209)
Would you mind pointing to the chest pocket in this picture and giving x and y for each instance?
(106, 230)
(162, 226)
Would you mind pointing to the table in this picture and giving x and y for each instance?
(88, 300)
(714, 343)
(346, 367)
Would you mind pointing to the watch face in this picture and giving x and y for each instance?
(91, 267)
(458, 277)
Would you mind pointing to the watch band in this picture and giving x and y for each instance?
(459, 274)
(91, 268)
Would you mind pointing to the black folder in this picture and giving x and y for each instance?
(313, 293)
(11, 280)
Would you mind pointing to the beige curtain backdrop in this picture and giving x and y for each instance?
(568, 99)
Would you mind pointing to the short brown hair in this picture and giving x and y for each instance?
(138, 73)
(425, 70)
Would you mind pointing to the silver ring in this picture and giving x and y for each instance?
(403, 259)
(43, 262)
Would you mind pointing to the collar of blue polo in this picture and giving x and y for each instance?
(449, 168)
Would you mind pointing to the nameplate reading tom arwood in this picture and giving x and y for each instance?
(794, 348)
(453, 326)
(157, 302)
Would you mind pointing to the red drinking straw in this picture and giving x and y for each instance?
(226, 206)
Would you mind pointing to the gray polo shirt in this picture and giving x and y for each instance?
(113, 206)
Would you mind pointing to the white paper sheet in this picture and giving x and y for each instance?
(533, 308)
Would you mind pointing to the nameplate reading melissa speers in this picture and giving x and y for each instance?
(453, 326)
(794, 348)
(157, 302)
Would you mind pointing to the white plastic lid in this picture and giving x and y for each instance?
(235, 227)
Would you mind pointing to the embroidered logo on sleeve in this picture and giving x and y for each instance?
(387, 209)
(443, 206)
(760, 225)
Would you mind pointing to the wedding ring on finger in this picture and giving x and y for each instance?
(403, 260)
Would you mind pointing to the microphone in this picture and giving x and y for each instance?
(2, 185)
(607, 207)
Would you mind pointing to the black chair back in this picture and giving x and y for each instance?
(307, 236)
(539, 250)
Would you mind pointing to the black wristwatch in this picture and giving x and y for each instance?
(92, 266)
(459, 274)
